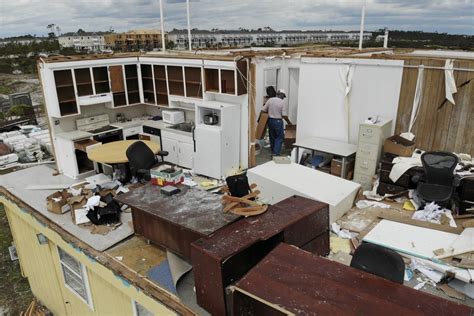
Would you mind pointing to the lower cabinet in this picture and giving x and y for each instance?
(180, 148)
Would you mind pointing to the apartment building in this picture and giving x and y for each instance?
(144, 39)
(235, 38)
(84, 41)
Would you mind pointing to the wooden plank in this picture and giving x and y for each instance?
(407, 93)
(464, 135)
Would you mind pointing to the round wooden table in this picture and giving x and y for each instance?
(116, 152)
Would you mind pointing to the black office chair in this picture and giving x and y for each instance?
(142, 159)
(238, 185)
(380, 261)
(439, 176)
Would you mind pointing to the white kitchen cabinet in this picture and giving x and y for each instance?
(170, 145)
(185, 154)
(180, 148)
(66, 161)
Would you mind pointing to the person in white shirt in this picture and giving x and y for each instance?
(275, 107)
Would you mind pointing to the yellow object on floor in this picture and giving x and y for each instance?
(339, 244)
(408, 205)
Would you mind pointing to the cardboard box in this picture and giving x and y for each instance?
(290, 135)
(261, 126)
(399, 146)
(76, 202)
(57, 202)
(336, 168)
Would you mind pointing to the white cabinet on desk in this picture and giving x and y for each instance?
(180, 148)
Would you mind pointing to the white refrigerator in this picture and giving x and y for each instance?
(217, 146)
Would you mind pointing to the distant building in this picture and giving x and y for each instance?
(87, 41)
(22, 40)
(145, 39)
(236, 38)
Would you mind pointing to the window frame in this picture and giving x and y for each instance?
(135, 308)
(84, 278)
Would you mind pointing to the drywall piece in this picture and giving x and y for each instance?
(16, 183)
(463, 244)
(412, 240)
(277, 182)
(375, 90)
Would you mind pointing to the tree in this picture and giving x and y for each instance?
(80, 32)
(170, 45)
(51, 35)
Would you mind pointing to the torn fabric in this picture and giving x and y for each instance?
(449, 82)
(346, 75)
(416, 103)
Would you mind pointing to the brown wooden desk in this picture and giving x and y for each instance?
(116, 152)
(290, 280)
(174, 222)
(224, 257)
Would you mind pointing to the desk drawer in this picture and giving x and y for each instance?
(365, 166)
(369, 134)
(132, 131)
(368, 150)
(403, 181)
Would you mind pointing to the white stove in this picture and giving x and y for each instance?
(100, 127)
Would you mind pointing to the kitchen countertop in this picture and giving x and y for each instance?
(75, 135)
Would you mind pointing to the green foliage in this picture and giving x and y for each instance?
(48, 46)
(170, 45)
(19, 110)
(5, 90)
(2, 116)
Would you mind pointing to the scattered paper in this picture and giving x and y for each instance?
(408, 275)
(92, 202)
(80, 215)
(122, 189)
(75, 192)
(433, 213)
(343, 233)
(189, 182)
(433, 275)
(367, 203)
(419, 285)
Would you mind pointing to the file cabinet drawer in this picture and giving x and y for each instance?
(369, 134)
(365, 166)
(368, 150)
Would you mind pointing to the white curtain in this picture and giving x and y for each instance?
(416, 103)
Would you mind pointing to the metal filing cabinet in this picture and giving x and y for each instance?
(369, 148)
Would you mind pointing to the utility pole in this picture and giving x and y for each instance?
(362, 20)
(189, 25)
(162, 22)
(385, 39)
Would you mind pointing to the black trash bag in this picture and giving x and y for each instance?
(109, 214)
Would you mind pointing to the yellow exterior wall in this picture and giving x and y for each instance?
(111, 295)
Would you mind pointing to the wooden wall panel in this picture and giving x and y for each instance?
(448, 127)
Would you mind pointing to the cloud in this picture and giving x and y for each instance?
(31, 16)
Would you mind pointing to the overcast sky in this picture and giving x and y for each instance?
(19, 17)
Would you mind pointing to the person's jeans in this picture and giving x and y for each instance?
(277, 133)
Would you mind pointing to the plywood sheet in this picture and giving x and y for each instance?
(261, 125)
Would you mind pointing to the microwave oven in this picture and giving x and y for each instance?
(173, 117)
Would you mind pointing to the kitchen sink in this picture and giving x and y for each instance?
(184, 127)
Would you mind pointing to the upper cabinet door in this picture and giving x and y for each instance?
(116, 78)
(65, 92)
(101, 80)
(83, 81)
